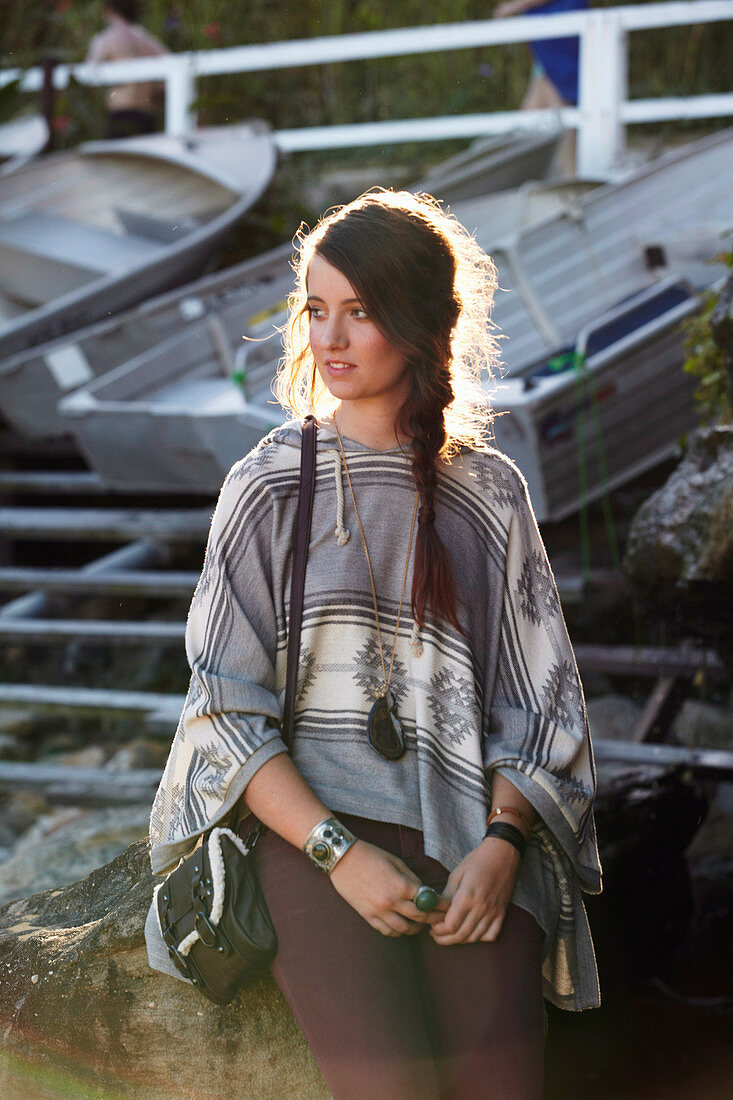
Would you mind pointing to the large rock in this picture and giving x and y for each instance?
(80, 1007)
(613, 717)
(702, 725)
(680, 547)
(67, 844)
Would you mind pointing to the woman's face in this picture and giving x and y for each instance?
(355, 361)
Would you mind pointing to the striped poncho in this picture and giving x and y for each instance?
(504, 694)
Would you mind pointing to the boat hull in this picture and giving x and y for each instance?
(163, 265)
(609, 415)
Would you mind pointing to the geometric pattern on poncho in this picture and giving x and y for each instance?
(508, 671)
(498, 486)
(306, 672)
(563, 697)
(369, 673)
(536, 589)
(213, 778)
(452, 705)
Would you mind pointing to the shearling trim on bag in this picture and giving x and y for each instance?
(218, 875)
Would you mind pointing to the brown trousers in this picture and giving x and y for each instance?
(397, 1018)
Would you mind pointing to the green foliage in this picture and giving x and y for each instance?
(706, 361)
(11, 100)
(79, 115)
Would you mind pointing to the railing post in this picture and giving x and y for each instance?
(180, 92)
(602, 91)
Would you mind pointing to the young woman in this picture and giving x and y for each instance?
(437, 688)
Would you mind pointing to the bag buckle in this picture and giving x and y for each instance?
(206, 930)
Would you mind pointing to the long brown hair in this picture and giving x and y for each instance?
(428, 287)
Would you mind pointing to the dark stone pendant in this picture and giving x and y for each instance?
(384, 731)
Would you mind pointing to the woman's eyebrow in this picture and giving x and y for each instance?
(344, 301)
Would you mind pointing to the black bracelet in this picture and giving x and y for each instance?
(504, 831)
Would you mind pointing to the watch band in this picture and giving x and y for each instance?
(503, 831)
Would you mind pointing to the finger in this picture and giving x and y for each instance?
(379, 926)
(469, 929)
(454, 940)
(410, 911)
(442, 941)
(461, 910)
(450, 938)
(438, 914)
(494, 929)
(480, 930)
(401, 925)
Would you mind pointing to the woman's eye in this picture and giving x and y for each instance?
(314, 311)
(359, 313)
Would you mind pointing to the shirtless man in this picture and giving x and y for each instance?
(129, 106)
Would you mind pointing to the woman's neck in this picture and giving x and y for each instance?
(374, 429)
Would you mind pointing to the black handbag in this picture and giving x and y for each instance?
(211, 908)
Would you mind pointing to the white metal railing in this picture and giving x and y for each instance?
(603, 108)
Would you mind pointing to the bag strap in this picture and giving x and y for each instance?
(300, 559)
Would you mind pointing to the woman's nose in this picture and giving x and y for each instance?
(334, 335)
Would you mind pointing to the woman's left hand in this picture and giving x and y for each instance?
(479, 891)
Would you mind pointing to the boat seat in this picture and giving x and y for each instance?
(154, 228)
(631, 314)
(43, 255)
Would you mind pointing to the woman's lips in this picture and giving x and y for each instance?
(338, 369)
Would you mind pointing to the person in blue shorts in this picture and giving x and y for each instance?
(554, 81)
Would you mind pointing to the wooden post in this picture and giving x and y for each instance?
(661, 707)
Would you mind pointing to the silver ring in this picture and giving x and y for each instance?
(426, 899)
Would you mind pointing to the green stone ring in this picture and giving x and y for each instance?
(426, 899)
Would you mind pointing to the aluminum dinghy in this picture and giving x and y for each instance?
(177, 416)
(591, 300)
(593, 391)
(88, 232)
(33, 382)
(489, 165)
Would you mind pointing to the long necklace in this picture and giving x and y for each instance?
(384, 731)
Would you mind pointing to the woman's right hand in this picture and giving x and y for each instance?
(380, 887)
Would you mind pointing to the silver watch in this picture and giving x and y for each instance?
(327, 843)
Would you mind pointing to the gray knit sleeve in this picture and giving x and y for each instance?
(229, 726)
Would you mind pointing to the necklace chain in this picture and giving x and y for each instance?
(387, 676)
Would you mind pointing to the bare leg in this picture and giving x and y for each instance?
(542, 94)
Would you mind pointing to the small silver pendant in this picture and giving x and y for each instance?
(383, 729)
